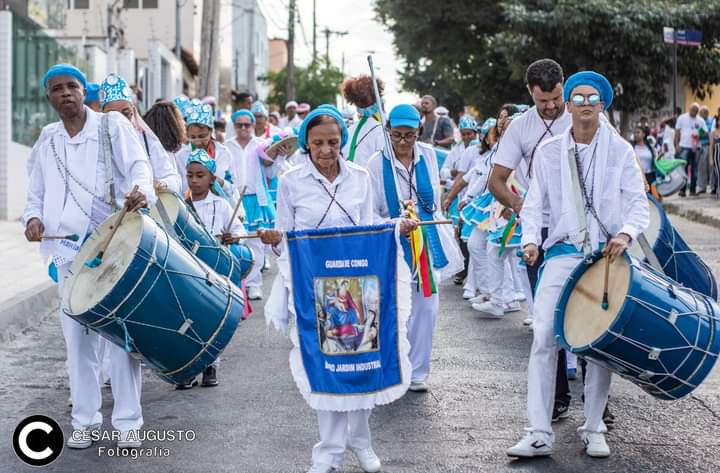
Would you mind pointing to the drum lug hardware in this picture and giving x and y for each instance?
(646, 375)
(672, 316)
(185, 326)
(210, 279)
(671, 291)
(195, 247)
(654, 354)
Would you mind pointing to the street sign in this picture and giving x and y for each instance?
(684, 37)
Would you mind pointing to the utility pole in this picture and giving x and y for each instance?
(290, 91)
(251, 51)
(314, 56)
(674, 72)
(178, 45)
(327, 31)
(209, 61)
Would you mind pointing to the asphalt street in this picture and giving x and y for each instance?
(256, 421)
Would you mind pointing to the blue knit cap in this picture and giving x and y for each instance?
(322, 110)
(64, 70)
(593, 79)
(92, 93)
(114, 88)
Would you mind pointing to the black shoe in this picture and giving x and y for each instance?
(186, 385)
(701, 192)
(681, 193)
(209, 378)
(693, 194)
(560, 411)
(608, 418)
(459, 280)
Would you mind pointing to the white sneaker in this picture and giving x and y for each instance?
(479, 299)
(468, 294)
(320, 468)
(254, 293)
(520, 297)
(528, 321)
(82, 438)
(534, 444)
(125, 441)
(369, 462)
(418, 386)
(595, 444)
(512, 307)
(489, 310)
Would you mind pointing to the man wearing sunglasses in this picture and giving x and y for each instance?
(589, 182)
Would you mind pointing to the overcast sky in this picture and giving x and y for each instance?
(364, 34)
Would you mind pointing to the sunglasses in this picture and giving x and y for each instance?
(579, 99)
(244, 125)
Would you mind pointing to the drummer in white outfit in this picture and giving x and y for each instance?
(327, 191)
(68, 194)
(366, 136)
(417, 172)
(606, 207)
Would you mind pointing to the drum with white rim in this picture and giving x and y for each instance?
(153, 298)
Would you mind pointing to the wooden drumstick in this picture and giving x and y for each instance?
(605, 304)
(97, 261)
(235, 211)
(73, 237)
(435, 222)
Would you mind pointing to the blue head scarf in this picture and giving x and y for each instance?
(327, 111)
(467, 123)
(593, 79)
(259, 108)
(114, 88)
(93, 93)
(487, 126)
(242, 113)
(201, 156)
(199, 114)
(181, 102)
(64, 70)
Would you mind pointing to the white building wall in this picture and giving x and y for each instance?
(5, 111)
(246, 27)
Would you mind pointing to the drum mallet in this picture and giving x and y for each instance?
(435, 222)
(73, 237)
(97, 260)
(605, 304)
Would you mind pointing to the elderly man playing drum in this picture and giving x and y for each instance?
(589, 181)
(75, 184)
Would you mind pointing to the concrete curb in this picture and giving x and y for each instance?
(693, 215)
(27, 309)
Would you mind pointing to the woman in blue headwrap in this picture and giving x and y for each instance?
(326, 191)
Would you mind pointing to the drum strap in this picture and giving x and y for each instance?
(169, 227)
(579, 205)
(649, 253)
(107, 156)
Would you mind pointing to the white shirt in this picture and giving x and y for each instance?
(622, 207)
(370, 140)
(290, 123)
(669, 140)
(302, 201)
(456, 160)
(688, 127)
(477, 177)
(525, 134)
(223, 162)
(51, 190)
(163, 163)
(245, 165)
(645, 156)
(215, 213)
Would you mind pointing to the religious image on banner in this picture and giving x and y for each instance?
(348, 296)
(347, 314)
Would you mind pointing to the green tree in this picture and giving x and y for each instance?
(314, 84)
(480, 50)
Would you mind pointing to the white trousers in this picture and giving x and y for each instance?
(339, 431)
(500, 280)
(254, 279)
(421, 327)
(478, 269)
(526, 289)
(84, 363)
(542, 367)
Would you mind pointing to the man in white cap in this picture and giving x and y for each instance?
(291, 118)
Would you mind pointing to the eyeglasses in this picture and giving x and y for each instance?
(409, 136)
(244, 125)
(579, 99)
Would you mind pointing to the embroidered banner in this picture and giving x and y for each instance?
(346, 300)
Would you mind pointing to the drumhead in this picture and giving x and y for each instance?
(171, 203)
(86, 287)
(585, 319)
(652, 233)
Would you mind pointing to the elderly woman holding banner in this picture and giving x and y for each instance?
(325, 192)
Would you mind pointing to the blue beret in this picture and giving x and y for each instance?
(242, 113)
(327, 111)
(64, 70)
(93, 93)
(593, 79)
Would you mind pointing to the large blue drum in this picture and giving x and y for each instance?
(153, 298)
(659, 335)
(677, 259)
(179, 221)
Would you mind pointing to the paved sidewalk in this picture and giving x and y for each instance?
(26, 292)
(702, 209)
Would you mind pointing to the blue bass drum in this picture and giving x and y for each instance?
(245, 256)
(180, 222)
(663, 337)
(678, 261)
(153, 298)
